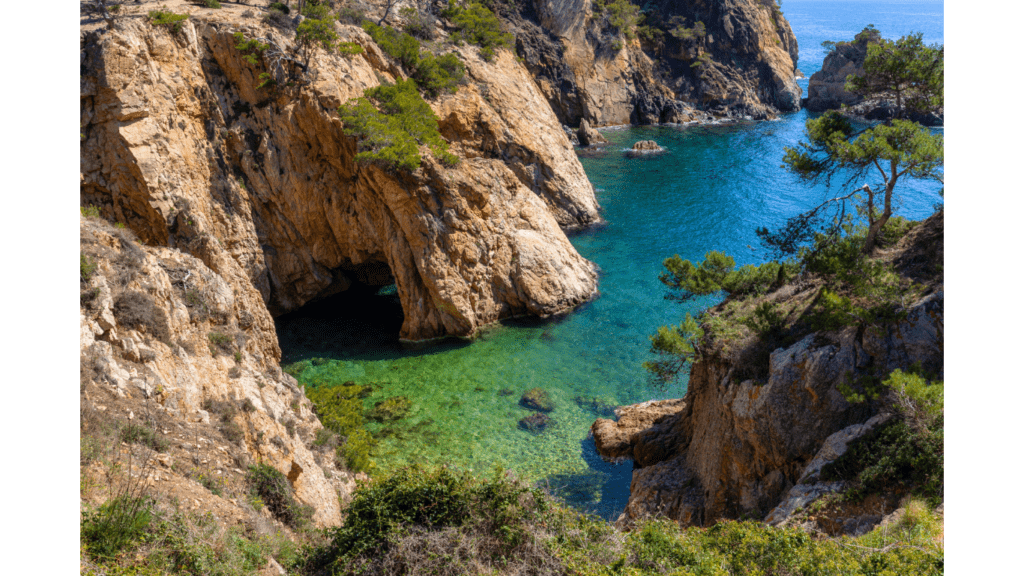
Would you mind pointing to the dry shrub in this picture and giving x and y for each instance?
(137, 310)
(458, 551)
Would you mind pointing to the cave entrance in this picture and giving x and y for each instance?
(361, 322)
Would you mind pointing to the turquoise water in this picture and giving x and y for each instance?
(709, 190)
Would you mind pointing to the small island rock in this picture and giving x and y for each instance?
(647, 146)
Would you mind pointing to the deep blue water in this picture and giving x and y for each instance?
(710, 189)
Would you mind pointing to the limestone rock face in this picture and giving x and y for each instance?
(161, 307)
(738, 447)
(182, 146)
(749, 59)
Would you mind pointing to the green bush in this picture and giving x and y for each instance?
(280, 7)
(621, 15)
(476, 24)
(434, 75)
(414, 498)
(90, 211)
(86, 268)
(252, 50)
(116, 525)
(391, 135)
(350, 49)
(221, 341)
(168, 19)
(273, 488)
(138, 434)
(892, 458)
(313, 34)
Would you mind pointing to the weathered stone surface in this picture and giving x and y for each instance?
(587, 73)
(647, 146)
(615, 439)
(163, 375)
(182, 147)
(808, 487)
(589, 136)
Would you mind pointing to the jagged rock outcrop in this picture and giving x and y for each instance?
(163, 332)
(737, 447)
(826, 88)
(181, 145)
(745, 64)
(588, 136)
(646, 146)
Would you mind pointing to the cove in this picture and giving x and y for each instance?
(709, 190)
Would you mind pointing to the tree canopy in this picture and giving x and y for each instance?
(906, 71)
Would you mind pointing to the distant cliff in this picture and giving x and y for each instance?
(740, 60)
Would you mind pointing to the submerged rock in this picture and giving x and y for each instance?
(595, 405)
(394, 408)
(535, 422)
(537, 399)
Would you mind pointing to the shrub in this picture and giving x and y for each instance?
(209, 3)
(116, 525)
(251, 50)
(232, 432)
(247, 406)
(391, 136)
(86, 268)
(316, 11)
(90, 211)
(221, 341)
(349, 14)
(895, 457)
(279, 19)
(419, 24)
(274, 490)
(350, 49)
(621, 15)
(315, 33)
(137, 310)
(476, 24)
(280, 7)
(168, 19)
(138, 434)
(433, 75)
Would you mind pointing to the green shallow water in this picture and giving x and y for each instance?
(710, 189)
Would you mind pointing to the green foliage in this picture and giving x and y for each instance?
(116, 525)
(391, 132)
(676, 347)
(895, 457)
(918, 400)
(273, 488)
(138, 434)
(690, 281)
(434, 75)
(168, 19)
(221, 341)
(349, 14)
(86, 268)
(766, 320)
(476, 24)
(313, 34)
(697, 32)
(90, 211)
(316, 11)
(211, 3)
(622, 15)
(906, 70)
(251, 50)
(500, 510)
(350, 49)
(418, 24)
(280, 7)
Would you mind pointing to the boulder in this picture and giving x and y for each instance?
(589, 136)
(647, 146)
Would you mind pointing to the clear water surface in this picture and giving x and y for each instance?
(709, 190)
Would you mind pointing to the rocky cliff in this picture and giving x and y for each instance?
(738, 441)
(181, 146)
(742, 64)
